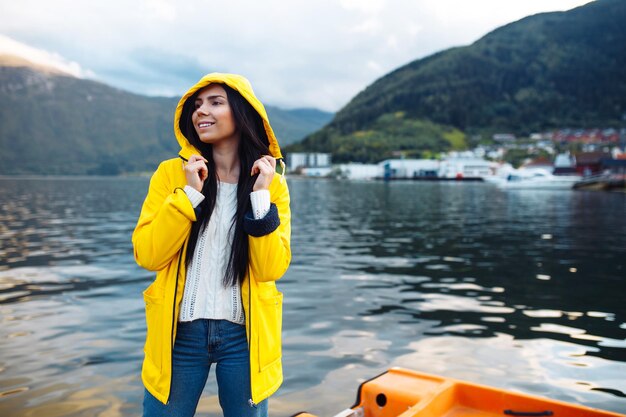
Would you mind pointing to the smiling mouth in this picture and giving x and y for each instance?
(205, 124)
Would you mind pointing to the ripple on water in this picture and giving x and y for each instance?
(441, 278)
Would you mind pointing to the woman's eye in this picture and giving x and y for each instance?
(216, 103)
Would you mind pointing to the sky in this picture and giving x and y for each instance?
(296, 53)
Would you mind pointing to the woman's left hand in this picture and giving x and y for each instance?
(265, 166)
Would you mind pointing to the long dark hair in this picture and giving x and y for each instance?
(253, 144)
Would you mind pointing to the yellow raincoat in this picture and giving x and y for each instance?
(160, 241)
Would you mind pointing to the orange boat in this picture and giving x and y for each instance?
(404, 393)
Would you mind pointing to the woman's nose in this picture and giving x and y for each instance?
(203, 109)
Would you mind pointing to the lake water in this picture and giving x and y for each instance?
(524, 290)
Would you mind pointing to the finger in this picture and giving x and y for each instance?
(255, 168)
(196, 157)
(261, 166)
(191, 165)
(268, 165)
(203, 172)
(196, 166)
(271, 160)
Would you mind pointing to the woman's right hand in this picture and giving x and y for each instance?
(196, 171)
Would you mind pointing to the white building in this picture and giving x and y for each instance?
(356, 171)
(296, 160)
(409, 168)
(466, 168)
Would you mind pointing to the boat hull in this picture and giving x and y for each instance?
(564, 184)
(405, 393)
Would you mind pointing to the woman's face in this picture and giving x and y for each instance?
(213, 118)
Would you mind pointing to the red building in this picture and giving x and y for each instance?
(590, 163)
(599, 136)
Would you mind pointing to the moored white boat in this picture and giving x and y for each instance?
(537, 178)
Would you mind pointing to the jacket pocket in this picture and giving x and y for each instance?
(270, 330)
(154, 299)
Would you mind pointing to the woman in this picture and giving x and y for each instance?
(215, 226)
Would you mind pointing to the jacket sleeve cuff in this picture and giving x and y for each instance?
(264, 226)
(195, 196)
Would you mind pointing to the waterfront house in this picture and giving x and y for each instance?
(297, 161)
(612, 176)
(357, 171)
(590, 163)
(409, 168)
(466, 168)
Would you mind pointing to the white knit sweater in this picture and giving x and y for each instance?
(205, 295)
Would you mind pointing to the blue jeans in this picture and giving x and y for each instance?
(199, 344)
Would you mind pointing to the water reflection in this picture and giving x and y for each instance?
(450, 260)
(521, 290)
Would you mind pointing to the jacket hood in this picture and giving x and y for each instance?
(238, 83)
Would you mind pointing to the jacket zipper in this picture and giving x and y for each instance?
(252, 404)
(180, 257)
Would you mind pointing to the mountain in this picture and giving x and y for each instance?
(551, 70)
(59, 124)
(53, 123)
(292, 125)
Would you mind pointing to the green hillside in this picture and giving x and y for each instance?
(552, 70)
(54, 124)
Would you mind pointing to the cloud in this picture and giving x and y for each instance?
(161, 9)
(297, 54)
(37, 56)
(371, 25)
(365, 6)
(151, 71)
